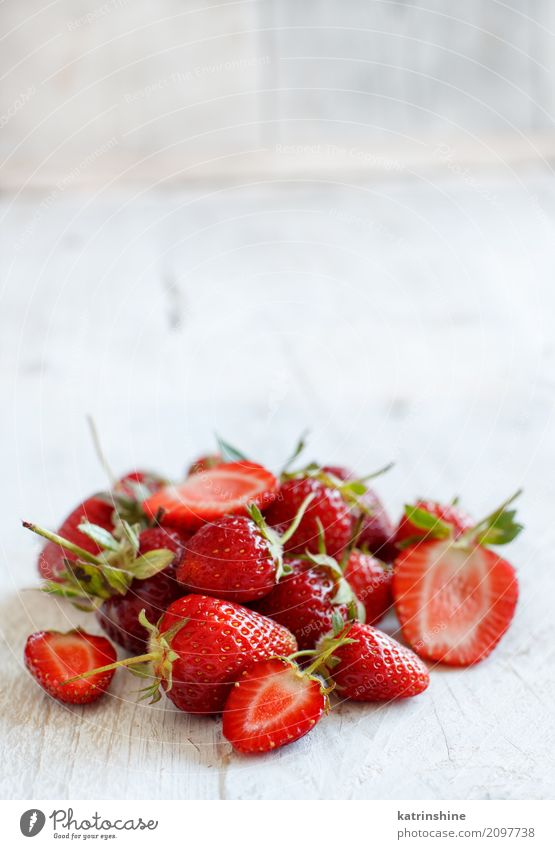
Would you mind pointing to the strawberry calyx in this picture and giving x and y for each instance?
(322, 657)
(352, 490)
(90, 579)
(156, 664)
(432, 526)
(497, 528)
(275, 541)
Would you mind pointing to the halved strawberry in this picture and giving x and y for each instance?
(273, 704)
(53, 658)
(454, 603)
(203, 497)
(454, 597)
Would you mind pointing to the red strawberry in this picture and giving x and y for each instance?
(202, 647)
(53, 658)
(328, 509)
(376, 532)
(95, 510)
(206, 496)
(305, 600)
(454, 603)
(454, 597)
(237, 558)
(371, 581)
(205, 463)
(427, 520)
(135, 483)
(132, 570)
(273, 704)
(368, 666)
(119, 614)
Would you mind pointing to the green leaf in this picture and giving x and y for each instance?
(500, 530)
(100, 535)
(152, 562)
(427, 522)
(327, 561)
(228, 452)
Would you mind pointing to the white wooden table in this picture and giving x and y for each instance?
(408, 320)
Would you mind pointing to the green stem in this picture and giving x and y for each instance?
(64, 543)
(129, 661)
(499, 510)
(298, 518)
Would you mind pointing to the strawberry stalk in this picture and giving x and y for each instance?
(276, 542)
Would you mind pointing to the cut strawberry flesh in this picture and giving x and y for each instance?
(454, 604)
(205, 496)
(272, 705)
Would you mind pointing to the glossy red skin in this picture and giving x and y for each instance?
(207, 496)
(279, 725)
(302, 602)
(328, 506)
(217, 643)
(94, 510)
(432, 613)
(229, 559)
(377, 668)
(52, 674)
(377, 532)
(453, 516)
(372, 581)
(119, 615)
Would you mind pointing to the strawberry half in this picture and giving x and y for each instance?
(454, 603)
(209, 495)
(274, 703)
(53, 658)
(455, 598)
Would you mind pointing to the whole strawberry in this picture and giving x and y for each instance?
(328, 510)
(306, 598)
(98, 511)
(53, 658)
(133, 570)
(371, 581)
(201, 648)
(368, 666)
(238, 558)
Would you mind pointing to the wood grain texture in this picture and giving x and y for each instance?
(407, 320)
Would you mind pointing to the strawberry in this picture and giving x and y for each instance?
(371, 581)
(119, 614)
(132, 570)
(327, 509)
(237, 558)
(53, 658)
(455, 598)
(274, 703)
(201, 648)
(368, 666)
(305, 599)
(427, 520)
(204, 463)
(95, 510)
(139, 484)
(375, 532)
(206, 496)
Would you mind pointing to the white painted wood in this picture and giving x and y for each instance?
(170, 90)
(407, 320)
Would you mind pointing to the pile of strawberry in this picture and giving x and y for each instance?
(256, 596)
